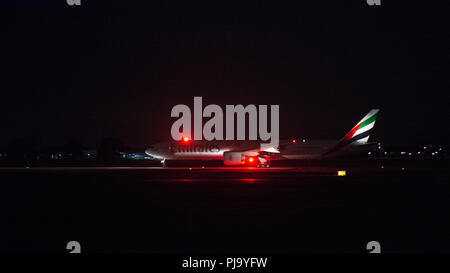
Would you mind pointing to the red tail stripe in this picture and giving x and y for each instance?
(352, 132)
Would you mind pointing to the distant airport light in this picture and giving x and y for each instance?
(342, 173)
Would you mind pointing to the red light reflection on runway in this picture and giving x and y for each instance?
(184, 180)
(249, 180)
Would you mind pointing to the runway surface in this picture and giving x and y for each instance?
(233, 210)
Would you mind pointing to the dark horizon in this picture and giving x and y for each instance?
(112, 68)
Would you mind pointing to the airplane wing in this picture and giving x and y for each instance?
(263, 147)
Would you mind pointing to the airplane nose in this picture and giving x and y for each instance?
(150, 152)
(153, 153)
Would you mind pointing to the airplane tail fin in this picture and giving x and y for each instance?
(359, 134)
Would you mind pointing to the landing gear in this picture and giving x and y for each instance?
(263, 162)
(256, 161)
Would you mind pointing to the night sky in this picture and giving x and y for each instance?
(116, 68)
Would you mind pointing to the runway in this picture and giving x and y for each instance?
(326, 168)
(165, 169)
(215, 210)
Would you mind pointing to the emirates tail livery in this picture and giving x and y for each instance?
(250, 152)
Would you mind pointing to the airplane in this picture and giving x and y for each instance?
(251, 153)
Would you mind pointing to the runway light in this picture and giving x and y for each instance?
(342, 173)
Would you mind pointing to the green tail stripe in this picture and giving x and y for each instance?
(369, 121)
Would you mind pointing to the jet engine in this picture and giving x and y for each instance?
(238, 158)
(233, 158)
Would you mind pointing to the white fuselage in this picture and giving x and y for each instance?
(214, 150)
